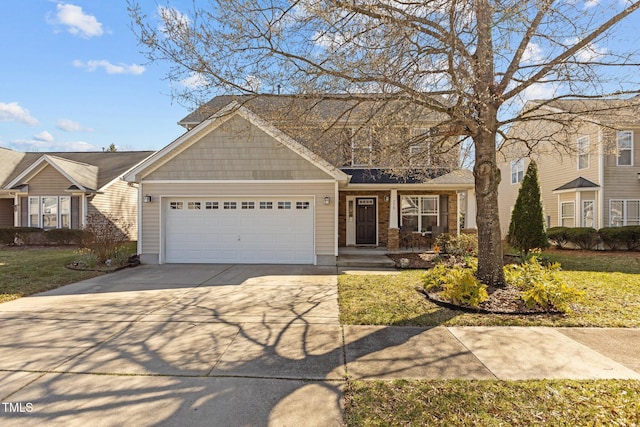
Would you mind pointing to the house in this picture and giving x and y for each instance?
(285, 179)
(62, 189)
(588, 168)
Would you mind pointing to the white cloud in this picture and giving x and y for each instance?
(12, 112)
(532, 53)
(173, 22)
(43, 136)
(71, 126)
(591, 3)
(108, 67)
(77, 22)
(37, 145)
(194, 81)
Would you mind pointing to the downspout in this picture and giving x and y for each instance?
(600, 221)
(458, 212)
(336, 213)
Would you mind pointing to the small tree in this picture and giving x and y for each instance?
(526, 230)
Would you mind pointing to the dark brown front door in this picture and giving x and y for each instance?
(366, 221)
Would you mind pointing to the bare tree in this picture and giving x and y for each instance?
(472, 61)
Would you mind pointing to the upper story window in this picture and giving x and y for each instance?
(624, 145)
(584, 148)
(419, 155)
(361, 148)
(517, 171)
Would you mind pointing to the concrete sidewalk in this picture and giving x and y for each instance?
(248, 346)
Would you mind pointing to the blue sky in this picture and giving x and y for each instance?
(72, 78)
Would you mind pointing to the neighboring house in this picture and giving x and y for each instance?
(61, 189)
(594, 180)
(266, 180)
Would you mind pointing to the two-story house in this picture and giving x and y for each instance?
(588, 168)
(290, 179)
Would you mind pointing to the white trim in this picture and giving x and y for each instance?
(16, 211)
(82, 222)
(583, 152)
(517, 172)
(576, 190)
(600, 195)
(393, 208)
(583, 202)
(416, 187)
(573, 203)
(336, 215)
(419, 215)
(140, 208)
(618, 148)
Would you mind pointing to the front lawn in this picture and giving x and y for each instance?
(612, 298)
(492, 403)
(26, 271)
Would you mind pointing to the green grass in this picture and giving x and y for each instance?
(612, 299)
(26, 271)
(492, 403)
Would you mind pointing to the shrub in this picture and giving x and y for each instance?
(86, 258)
(462, 245)
(558, 236)
(459, 285)
(104, 236)
(584, 237)
(632, 237)
(541, 286)
(64, 236)
(526, 230)
(29, 235)
(614, 237)
(7, 236)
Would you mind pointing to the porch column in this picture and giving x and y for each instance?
(393, 209)
(393, 236)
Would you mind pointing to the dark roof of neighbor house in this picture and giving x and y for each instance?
(579, 182)
(109, 165)
(318, 108)
(384, 176)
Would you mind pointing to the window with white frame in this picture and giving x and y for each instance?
(567, 214)
(624, 145)
(588, 213)
(361, 147)
(517, 171)
(419, 213)
(624, 212)
(584, 156)
(50, 212)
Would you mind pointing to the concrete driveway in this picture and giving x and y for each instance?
(176, 345)
(223, 345)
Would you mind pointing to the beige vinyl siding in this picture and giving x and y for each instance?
(325, 232)
(620, 182)
(120, 201)
(48, 182)
(237, 150)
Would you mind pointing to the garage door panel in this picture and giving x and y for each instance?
(256, 231)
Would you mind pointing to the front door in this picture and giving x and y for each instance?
(366, 219)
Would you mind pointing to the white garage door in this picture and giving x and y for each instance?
(239, 230)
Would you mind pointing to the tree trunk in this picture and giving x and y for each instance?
(487, 178)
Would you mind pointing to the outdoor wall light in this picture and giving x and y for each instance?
(386, 198)
(327, 199)
(146, 199)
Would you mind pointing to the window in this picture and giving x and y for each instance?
(567, 214)
(419, 155)
(176, 205)
(230, 205)
(624, 212)
(624, 143)
(266, 205)
(361, 148)
(284, 205)
(50, 212)
(211, 205)
(302, 205)
(248, 205)
(588, 212)
(583, 152)
(419, 213)
(517, 171)
(193, 205)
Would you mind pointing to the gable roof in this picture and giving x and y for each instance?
(612, 111)
(233, 108)
(578, 183)
(316, 108)
(89, 170)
